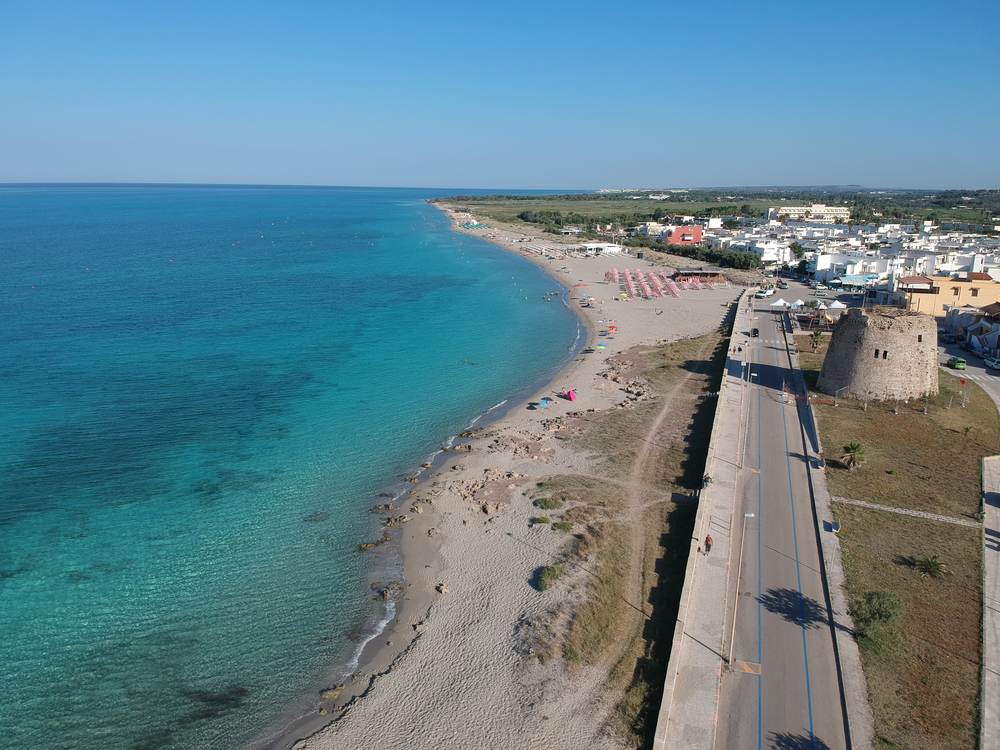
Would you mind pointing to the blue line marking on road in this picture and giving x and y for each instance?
(760, 584)
(798, 578)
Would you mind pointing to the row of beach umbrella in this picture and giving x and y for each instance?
(653, 283)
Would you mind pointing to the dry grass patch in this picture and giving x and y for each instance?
(635, 636)
(924, 686)
(911, 460)
(922, 670)
(612, 437)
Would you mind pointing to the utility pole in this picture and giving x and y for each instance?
(736, 602)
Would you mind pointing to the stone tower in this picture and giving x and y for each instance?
(882, 354)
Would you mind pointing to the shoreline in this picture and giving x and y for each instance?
(376, 659)
(425, 541)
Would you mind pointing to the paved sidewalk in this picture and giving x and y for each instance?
(688, 711)
(907, 512)
(990, 727)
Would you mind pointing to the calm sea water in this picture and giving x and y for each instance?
(202, 391)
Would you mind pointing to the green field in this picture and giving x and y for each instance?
(617, 210)
(972, 206)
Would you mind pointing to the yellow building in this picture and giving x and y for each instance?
(931, 295)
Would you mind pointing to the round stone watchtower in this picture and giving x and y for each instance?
(882, 354)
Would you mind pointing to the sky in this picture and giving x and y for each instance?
(502, 95)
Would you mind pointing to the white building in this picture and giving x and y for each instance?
(653, 229)
(602, 248)
(817, 212)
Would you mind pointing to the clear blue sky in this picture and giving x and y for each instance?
(513, 94)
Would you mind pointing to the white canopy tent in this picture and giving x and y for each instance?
(779, 303)
(837, 305)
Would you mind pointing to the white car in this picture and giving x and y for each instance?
(992, 363)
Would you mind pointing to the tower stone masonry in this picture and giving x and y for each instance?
(883, 355)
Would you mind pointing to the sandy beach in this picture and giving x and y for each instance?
(461, 666)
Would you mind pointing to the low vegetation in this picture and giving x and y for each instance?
(914, 584)
(548, 575)
(922, 668)
(627, 627)
(548, 503)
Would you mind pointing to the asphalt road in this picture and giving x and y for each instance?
(975, 370)
(782, 690)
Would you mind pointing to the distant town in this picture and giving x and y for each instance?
(946, 269)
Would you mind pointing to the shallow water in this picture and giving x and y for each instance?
(202, 391)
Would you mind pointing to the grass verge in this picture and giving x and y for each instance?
(922, 670)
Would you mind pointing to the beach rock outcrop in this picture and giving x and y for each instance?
(389, 592)
(331, 694)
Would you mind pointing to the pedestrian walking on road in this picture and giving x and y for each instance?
(708, 544)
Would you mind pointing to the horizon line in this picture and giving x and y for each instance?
(814, 187)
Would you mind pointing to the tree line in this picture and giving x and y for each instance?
(723, 258)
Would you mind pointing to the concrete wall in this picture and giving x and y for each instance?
(882, 355)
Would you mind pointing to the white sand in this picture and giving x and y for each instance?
(461, 683)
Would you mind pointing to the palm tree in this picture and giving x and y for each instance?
(853, 456)
(815, 338)
(931, 565)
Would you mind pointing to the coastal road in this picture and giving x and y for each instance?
(782, 689)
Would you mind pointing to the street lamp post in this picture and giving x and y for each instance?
(736, 603)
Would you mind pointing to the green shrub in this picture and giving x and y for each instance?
(548, 503)
(540, 519)
(879, 639)
(564, 526)
(874, 609)
(548, 575)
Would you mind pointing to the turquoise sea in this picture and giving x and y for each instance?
(202, 392)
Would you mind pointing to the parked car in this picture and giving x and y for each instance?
(822, 286)
(956, 363)
(992, 362)
(819, 294)
(782, 285)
